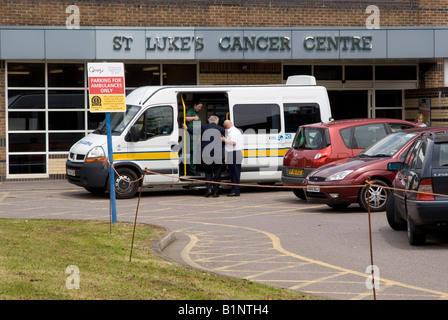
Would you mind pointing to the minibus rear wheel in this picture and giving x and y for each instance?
(123, 188)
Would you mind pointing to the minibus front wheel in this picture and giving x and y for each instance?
(126, 184)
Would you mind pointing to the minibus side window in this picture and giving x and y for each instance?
(261, 118)
(297, 114)
(157, 121)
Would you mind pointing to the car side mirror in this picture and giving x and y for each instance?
(394, 166)
(132, 135)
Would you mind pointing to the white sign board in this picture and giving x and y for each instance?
(106, 87)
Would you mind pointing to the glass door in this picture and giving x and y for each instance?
(388, 104)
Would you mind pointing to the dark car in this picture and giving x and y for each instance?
(418, 203)
(343, 182)
(320, 143)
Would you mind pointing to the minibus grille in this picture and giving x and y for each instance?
(77, 157)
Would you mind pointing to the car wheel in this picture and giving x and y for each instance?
(299, 193)
(416, 238)
(123, 188)
(378, 196)
(390, 214)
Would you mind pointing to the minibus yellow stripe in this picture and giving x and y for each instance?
(167, 155)
(149, 156)
(252, 153)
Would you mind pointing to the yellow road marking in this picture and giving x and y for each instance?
(275, 242)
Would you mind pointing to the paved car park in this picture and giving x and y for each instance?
(267, 235)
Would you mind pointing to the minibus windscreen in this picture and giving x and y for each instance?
(119, 121)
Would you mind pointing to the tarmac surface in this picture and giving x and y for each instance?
(246, 237)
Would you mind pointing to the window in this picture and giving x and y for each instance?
(399, 126)
(389, 113)
(363, 136)
(411, 153)
(311, 139)
(328, 72)
(26, 118)
(155, 122)
(142, 75)
(346, 135)
(66, 75)
(27, 164)
(419, 156)
(396, 73)
(26, 74)
(358, 72)
(293, 70)
(388, 98)
(259, 118)
(297, 114)
(181, 74)
(368, 134)
(389, 104)
(443, 154)
(48, 108)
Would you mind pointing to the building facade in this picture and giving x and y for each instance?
(386, 59)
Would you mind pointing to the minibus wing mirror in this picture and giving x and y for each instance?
(132, 135)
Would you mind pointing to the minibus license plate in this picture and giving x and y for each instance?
(296, 172)
(71, 172)
(313, 188)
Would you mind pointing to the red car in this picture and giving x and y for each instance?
(320, 143)
(343, 182)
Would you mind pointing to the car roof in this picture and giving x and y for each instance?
(427, 129)
(441, 138)
(352, 122)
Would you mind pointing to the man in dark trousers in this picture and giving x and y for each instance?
(212, 152)
(234, 155)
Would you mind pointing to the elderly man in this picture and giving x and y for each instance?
(212, 152)
(234, 156)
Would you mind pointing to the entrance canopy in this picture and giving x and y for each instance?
(136, 43)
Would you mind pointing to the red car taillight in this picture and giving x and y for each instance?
(323, 154)
(425, 186)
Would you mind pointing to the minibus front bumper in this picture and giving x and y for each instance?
(92, 175)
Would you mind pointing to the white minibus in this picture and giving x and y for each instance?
(149, 135)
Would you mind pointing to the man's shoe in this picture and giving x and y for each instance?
(233, 194)
(208, 193)
(215, 195)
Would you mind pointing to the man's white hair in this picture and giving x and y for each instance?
(213, 119)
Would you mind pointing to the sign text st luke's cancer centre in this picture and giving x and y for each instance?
(245, 43)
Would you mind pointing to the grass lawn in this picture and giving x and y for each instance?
(34, 255)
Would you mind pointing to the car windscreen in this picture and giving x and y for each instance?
(388, 146)
(311, 138)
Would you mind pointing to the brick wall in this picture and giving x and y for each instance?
(234, 79)
(211, 73)
(230, 13)
(56, 165)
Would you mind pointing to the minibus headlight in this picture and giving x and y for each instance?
(95, 154)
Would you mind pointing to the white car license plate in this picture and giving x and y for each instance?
(71, 172)
(313, 188)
